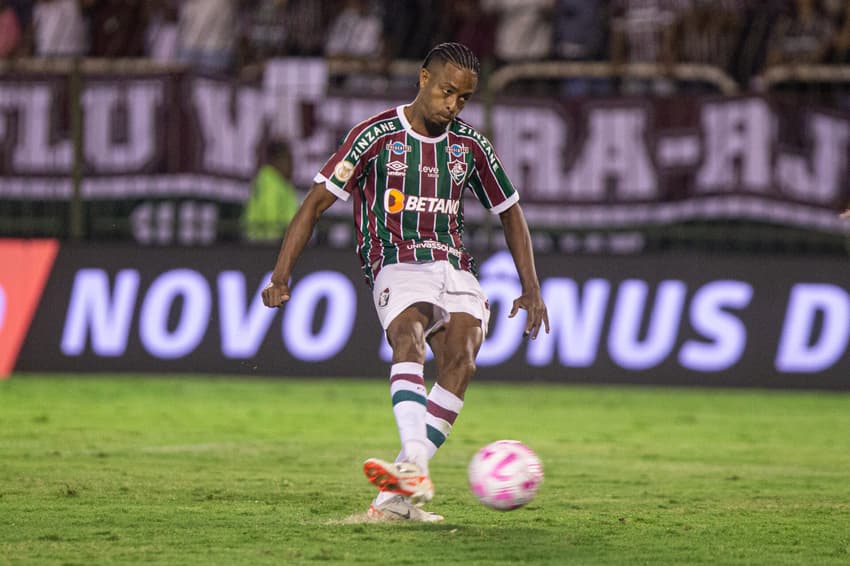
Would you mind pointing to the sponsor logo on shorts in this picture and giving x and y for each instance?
(384, 297)
(343, 170)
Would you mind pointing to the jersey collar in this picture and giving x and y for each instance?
(400, 111)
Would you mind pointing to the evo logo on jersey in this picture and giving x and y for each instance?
(432, 172)
(396, 201)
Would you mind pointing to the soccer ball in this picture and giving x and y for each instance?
(505, 474)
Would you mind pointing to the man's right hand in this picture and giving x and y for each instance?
(275, 294)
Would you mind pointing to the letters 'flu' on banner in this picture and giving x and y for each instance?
(609, 164)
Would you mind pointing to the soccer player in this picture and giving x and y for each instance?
(406, 170)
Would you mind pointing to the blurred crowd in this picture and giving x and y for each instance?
(741, 37)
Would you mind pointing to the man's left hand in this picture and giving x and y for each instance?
(538, 316)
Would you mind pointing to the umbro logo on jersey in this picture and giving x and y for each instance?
(396, 169)
(398, 148)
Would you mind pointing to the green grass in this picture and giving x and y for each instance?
(188, 470)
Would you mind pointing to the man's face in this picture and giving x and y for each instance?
(444, 91)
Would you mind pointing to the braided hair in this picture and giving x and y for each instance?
(456, 53)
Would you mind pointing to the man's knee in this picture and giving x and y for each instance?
(459, 363)
(407, 344)
(406, 334)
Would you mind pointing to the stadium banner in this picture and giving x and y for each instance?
(175, 153)
(689, 319)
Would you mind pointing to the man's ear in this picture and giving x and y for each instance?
(423, 76)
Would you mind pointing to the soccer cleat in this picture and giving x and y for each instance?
(403, 478)
(399, 508)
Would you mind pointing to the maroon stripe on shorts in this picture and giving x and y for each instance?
(441, 412)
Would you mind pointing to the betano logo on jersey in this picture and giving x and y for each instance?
(396, 201)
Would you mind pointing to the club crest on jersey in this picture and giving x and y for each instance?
(398, 148)
(457, 150)
(457, 169)
(396, 169)
(384, 297)
(343, 170)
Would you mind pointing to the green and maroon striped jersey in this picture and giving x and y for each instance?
(408, 189)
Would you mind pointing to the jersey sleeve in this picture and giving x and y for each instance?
(488, 181)
(341, 171)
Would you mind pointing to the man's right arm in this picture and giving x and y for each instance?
(317, 201)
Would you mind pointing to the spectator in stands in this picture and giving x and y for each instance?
(839, 49)
(707, 32)
(116, 27)
(207, 34)
(162, 30)
(264, 31)
(523, 29)
(23, 9)
(274, 199)
(11, 34)
(581, 28)
(409, 28)
(643, 31)
(307, 22)
(801, 35)
(465, 22)
(758, 19)
(355, 38)
(356, 31)
(59, 29)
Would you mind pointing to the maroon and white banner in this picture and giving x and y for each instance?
(617, 163)
(683, 320)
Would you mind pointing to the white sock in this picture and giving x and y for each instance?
(407, 387)
(443, 408)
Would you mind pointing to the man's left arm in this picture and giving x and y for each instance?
(519, 243)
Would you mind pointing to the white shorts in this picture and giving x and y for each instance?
(400, 285)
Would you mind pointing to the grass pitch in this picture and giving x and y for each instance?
(188, 470)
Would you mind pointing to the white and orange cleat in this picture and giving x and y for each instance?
(398, 508)
(403, 478)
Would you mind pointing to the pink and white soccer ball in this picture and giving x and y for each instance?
(505, 474)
